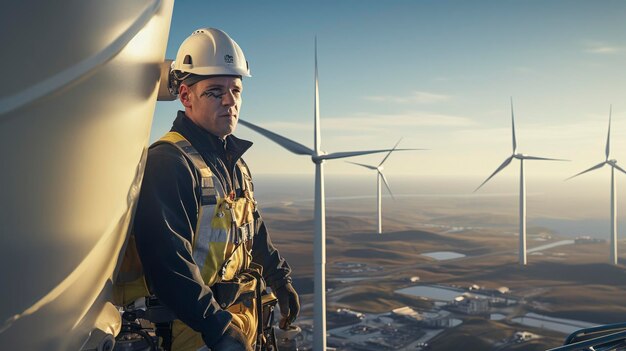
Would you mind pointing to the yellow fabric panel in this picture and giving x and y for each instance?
(172, 137)
(222, 217)
(219, 251)
(242, 208)
(213, 262)
(131, 268)
(185, 338)
(236, 262)
(243, 211)
(125, 293)
(216, 258)
(130, 283)
(245, 318)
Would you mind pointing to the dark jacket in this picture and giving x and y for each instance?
(167, 214)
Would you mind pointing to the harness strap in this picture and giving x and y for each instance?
(209, 193)
(210, 196)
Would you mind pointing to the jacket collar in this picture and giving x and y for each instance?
(206, 142)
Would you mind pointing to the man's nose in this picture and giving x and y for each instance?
(228, 99)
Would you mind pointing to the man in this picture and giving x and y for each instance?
(205, 251)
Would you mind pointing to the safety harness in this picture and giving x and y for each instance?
(221, 248)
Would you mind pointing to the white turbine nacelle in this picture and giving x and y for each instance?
(61, 236)
(319, 158)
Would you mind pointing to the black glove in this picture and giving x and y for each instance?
(233, 339)
(289, 303)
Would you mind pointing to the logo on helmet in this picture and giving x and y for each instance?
(228, 59)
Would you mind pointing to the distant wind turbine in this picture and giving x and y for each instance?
(522, 187)
(318, 157)
(613, 164)
(379, 176)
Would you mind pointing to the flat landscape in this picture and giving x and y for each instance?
(571, 281)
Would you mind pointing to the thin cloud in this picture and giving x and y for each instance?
(367, 121)
(602, 48)
(590, 130)
(417, 97)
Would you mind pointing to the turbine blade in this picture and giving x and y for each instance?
(394, 147)
(599, 165)
(386, 184)
(335, 155)
(620, 169)
(608, 136)
(316, 109)
(363, 165)
(513, 127)
(411, 149)
(502, 166)
(526, 157)
(288, 144)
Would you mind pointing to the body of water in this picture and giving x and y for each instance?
(431, 292)
(566, 326)
(496, 317)
(349, 279)
(443, 255)
(551, 245)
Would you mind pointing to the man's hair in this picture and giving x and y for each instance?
(192, 79)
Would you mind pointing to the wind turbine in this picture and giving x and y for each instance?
(318, 157)
(613, 164)
(522, 187)
(379, 176)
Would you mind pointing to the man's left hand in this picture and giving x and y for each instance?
(289, 303)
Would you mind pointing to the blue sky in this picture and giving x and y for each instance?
(438, 73)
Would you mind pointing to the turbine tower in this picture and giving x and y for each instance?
(379, 176)
(522, 187)
(318, 157)
(614, 166)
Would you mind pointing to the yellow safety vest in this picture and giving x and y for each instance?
(221, 248)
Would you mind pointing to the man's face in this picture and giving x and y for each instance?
(214, 104)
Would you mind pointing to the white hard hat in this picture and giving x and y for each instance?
(209, 52)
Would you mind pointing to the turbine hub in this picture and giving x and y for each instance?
(612, 162)
(317, 159)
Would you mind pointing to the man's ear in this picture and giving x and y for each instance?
(184, 93)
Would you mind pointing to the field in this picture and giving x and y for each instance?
(571, 281)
